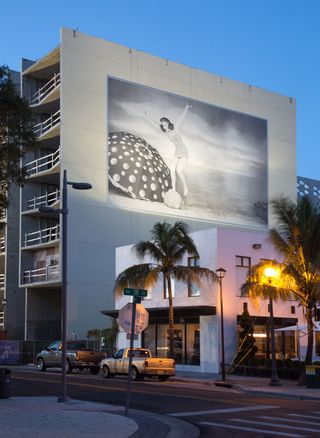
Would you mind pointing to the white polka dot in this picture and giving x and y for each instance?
(142, 193)
(127, 153)
(131, 159)
(120, 157)
(113, 161)
(153, 178)
(116, 177)
(114, 149)
(138, 164)
(145, 186)
(122, 142)
(125, 166)
(155, 196)
(166, 183)
(151, 170)
(144, 178)
(130, 188)
(132, 178)
(153, 186)
(114, 136)
(123, 172)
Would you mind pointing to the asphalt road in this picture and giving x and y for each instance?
(217, 412)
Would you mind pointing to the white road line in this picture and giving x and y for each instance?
(311, 423)
(281, 426)
(305, 416)
(250, 429)
(224, 411)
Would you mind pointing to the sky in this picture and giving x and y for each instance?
(271, 44)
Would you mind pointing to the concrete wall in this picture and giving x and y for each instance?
(95, 230)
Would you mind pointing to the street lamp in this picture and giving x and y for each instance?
(221, 273)
(64, 212)
(271, 273)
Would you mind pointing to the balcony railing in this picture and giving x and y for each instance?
(43, 164)
(2, 245)
(46, 199)
(1, 281)
(43, 127)
(1, 320)
(45, 235)
(41, 275)
(3, 215)
(44, 91)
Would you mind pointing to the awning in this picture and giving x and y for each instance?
(179, 311)
(299, 328)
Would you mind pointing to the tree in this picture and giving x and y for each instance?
(169, 244)
(297, 239)
(16, 135)
(247, 348)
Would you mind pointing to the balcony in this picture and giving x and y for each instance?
(48, 93)
(1, 281)
(3, 215)
(47, 274)
(48, 128)
(45, 164)
(2, 245)
(1, 320)
(46, 199)
(46, 236)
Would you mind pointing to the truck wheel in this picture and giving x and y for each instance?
(134, 374)
(41, 365)
(106, 372)
(94, 370)
(163, 378)
(69, 367)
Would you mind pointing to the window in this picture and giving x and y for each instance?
(293, 310)
(243, 265)
(119, 354)
(193, 289)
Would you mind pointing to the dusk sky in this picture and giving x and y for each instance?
(272, 44)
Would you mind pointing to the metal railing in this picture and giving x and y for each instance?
(43, 164)
(44, 91)
(42, 127)
(2, 245)
(41, 275)
(3, 215)
(1, 320)
(42, 236)
(1, 280)
(46, 199)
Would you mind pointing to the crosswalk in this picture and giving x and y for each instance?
(292, 425)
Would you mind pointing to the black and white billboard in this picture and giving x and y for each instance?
(172, 155)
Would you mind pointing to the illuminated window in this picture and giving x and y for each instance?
(193, 289)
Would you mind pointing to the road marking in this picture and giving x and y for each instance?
(305, 416)
(281, 426)
(250, 429)
(223, 411)
(312, 423)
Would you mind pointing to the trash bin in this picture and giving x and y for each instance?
(5, 382)
(313, 376)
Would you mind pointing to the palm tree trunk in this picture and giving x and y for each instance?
(171, 318)
(309, 354)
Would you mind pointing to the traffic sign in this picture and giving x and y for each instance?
(141, 318)
(135, 292)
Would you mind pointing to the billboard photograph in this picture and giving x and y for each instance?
(172, 155)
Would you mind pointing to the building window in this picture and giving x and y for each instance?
(293, 310)
(245, 307)
(243, 265)
(193, 289)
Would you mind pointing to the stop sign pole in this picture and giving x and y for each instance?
(137, 294)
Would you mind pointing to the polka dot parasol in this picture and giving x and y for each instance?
(136, 168)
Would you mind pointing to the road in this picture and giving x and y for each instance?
(217, 412)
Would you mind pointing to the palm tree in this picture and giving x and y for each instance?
(297, 239)
(167, 247)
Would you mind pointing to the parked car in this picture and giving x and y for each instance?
(78, 357)
(143, 364)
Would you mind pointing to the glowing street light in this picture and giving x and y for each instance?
(221, 273)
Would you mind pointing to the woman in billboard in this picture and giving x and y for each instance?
(171, 130)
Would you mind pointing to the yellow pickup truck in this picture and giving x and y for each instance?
(143, 365)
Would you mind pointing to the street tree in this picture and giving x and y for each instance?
(167, 248)
(16, 135)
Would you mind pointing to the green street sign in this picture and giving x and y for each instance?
(135, 292)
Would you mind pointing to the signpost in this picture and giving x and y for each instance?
(136, 294)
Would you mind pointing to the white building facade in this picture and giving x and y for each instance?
(158, 141)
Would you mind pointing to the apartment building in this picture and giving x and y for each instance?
(158, 141)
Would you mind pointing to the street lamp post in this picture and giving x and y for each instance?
(271, 273)
(221, 273)
(64, 212)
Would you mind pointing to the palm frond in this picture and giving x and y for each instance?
(194, 274)
(147, 248)
(137, 276)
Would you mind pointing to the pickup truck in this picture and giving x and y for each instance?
(78, 357)
(143, 364)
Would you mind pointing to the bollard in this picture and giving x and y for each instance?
(5, 382)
